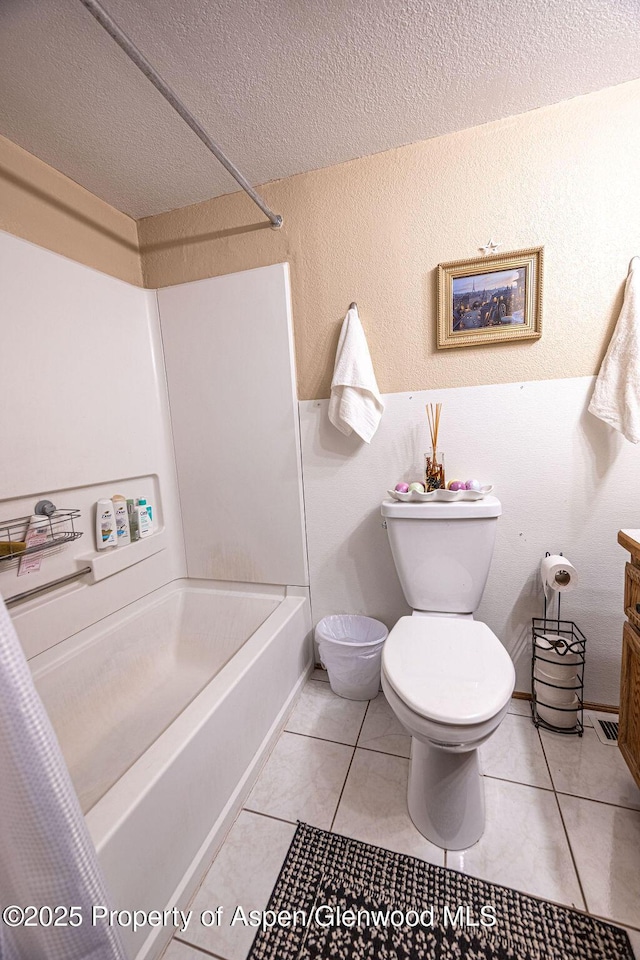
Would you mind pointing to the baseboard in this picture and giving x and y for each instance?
(587, 705)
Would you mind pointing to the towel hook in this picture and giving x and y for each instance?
(353, 306)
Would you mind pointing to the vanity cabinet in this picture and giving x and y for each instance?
(629, 731)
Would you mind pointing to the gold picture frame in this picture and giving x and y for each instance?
(490, 299)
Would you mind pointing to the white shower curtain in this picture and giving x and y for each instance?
(47, 858)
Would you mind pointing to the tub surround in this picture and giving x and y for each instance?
(85, 416)
(228, 348)
(165, 694)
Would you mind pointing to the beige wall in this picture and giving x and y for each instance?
(373, 230)
(40, 204)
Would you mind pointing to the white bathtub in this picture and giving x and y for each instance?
(164, 712)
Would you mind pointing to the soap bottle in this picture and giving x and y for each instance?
(37, 533)
(105, 525)
(123, 533)
(142, 516)
(143, 502)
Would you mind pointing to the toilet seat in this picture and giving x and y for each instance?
(448, 670)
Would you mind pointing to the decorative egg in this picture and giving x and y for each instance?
(472, 485)
(457, 485)
(402, 487)
(416, 488)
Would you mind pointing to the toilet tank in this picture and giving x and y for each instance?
(442, 551)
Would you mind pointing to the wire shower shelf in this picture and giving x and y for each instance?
(58, 526)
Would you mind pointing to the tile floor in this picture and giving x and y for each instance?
(563, 815)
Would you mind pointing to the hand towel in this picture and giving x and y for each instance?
(355, 403)
(616, 397)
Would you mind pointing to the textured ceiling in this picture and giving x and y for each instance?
(286, 86)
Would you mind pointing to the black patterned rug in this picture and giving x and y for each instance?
(340, 899)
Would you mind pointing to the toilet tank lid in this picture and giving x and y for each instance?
(439, 510)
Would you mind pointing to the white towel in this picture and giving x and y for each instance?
(355, 403)
(616, 397)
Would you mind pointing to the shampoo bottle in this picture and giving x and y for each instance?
(123, 534)
(105, 525)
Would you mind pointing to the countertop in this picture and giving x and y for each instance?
(630, 540)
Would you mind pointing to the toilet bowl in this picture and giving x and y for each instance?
(446, 676)
(449, 682)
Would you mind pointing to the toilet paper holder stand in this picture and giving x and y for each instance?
(557, 672)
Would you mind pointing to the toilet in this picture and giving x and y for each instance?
(446, 676)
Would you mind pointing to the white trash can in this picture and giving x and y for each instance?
(350, 648)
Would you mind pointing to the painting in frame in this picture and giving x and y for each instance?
(490, 299)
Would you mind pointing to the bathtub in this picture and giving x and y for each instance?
(164, 712)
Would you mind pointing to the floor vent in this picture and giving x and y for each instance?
(606, 726)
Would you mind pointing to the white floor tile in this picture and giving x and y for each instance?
(522, 708)
(606, 845)
(514, 752)
(524, 844)
(182, 951)
(586, 767)
(383, 731)
(319, 674)
(373, 807)
(320, 712)
(302, 780)
(243, 874)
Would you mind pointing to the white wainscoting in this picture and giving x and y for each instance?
(567, 483)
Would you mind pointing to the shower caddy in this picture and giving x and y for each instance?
(59, 530)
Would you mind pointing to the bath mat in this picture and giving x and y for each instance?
(340, 899)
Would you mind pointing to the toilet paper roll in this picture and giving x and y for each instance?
(557, 573)
(553, 649)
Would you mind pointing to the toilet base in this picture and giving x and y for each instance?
(446, 795)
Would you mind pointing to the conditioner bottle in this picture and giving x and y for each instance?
(123, 534)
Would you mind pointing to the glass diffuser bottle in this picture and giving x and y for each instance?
(434, 460)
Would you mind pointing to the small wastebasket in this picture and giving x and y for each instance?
(350, 648)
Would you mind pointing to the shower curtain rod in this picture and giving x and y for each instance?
(123, 41)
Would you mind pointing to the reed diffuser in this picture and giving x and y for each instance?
(434, 461)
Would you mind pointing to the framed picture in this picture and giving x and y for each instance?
(490, 299)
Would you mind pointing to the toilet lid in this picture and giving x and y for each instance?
(449, 670)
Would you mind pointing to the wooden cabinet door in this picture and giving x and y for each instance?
(629, 731)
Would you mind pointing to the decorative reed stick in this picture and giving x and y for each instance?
(433, 416)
